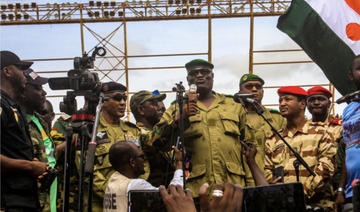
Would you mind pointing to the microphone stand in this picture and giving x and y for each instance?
(299, 160)
(180, 90)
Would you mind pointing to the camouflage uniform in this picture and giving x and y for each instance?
(107, 135)
(256, 131)
(157, 161)
(58, 135)
(40, 154)
(212, 142)
(317, 148)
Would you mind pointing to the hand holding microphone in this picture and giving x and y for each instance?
(190, 108)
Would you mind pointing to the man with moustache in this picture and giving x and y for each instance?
(111, 129)
(31, 100)
(19, 168)
(256, 129)
(311, 141)
(212, 134)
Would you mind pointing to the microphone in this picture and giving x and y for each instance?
(241, 97)
(192, 93)
(354, 96)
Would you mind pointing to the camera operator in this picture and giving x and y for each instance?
(31, 100)
(128, 160)
(111, 129)
(19, 168)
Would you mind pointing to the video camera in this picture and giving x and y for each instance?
(81, 81)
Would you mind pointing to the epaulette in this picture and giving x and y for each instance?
(173, 102)
(336, 121)
(229, 95)
(274, 111)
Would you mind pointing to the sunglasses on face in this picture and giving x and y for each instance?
(202, 71)
(119, 97)
(250, 86)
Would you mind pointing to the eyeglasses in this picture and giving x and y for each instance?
(250, 86)
(119, 97)
(202, 71)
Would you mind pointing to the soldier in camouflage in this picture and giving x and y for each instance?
(111, 130)
(256, 129)
(144, 106)
(212, 137)
(311, 141)
(31, 100)
(318, 104)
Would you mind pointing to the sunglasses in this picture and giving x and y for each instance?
(119, 97)
(202, 71)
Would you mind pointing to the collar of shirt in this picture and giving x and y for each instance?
(302, 129)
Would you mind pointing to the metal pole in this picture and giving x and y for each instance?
(82, 30)
(126, 70)
(209, 32)
(251, 49)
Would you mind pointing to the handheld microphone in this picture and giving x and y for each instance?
(192, 93)
(241, 97)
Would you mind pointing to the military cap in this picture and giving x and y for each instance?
(319, 90)
(8, 58)
(33, 78)
(142, 96)
(112, 87)
(196, 63)
(251, 77)
(295, 90)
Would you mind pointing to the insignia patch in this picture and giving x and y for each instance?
(133, 139)
(33, 75)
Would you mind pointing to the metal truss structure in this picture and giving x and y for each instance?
(142, 10)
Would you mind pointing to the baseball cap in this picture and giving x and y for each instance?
(33, 78)
(8, 58)
(143, 96)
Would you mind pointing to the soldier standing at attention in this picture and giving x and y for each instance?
(212, 138)
(311, 141)
(31, 100)
(144, 106)
(318, 104)
(111, 130)
(19, 168)
(256, 129)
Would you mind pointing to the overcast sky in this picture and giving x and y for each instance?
(230, 41)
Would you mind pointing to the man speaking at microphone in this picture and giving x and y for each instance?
(212, 134)
(256, 129)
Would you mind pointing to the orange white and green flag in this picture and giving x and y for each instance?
(329, 32)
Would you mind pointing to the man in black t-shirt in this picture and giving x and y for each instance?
(19, 169)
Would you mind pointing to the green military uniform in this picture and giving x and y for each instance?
(107, 135)
(158, 161)
(40, 154)
(257, 131)
(317, 147)
(212, 142)
(58, 135)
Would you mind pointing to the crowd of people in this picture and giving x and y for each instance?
(227, 145)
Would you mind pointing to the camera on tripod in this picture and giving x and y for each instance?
(81, 81)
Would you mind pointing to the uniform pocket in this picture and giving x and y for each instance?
(231, 123)
(102, 156)
(195, 128)
(236, 174)
(197, 171)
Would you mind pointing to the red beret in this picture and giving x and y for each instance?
(319, 90)
(295, 90)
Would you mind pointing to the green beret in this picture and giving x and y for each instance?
(143, 96)
(251, 77)
(196, 63)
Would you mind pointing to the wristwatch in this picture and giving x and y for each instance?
(340, 189)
